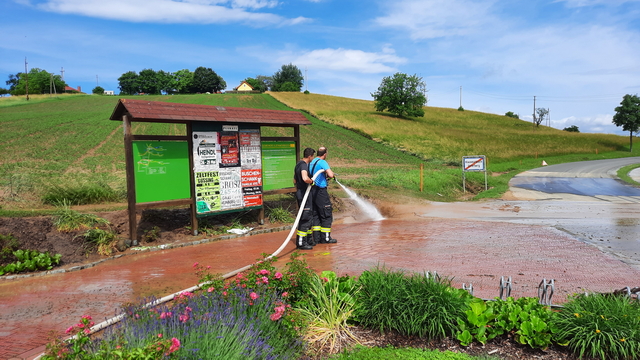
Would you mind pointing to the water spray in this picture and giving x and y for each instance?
(365, 206)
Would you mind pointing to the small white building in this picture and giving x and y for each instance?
(109, 92)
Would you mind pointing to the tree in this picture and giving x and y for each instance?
(4, 91)
(128, 83)
(166, 82)
(628, 116)
(148, 82)
(572, 128)
(206, 80)
(40, 82)
(512, 115)
(98, 90)
(256, 84)
(287, 74)
(401, 94)
(542, 114)
(183, 81)
(266, 80)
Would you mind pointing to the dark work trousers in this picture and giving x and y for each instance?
(322, 209)
(307, 213)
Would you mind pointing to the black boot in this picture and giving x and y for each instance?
(301, 243)
(310, 240)
(327, 239)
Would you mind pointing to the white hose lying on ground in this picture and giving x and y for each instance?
(156, 302)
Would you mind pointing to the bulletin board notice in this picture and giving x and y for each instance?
(278, 162)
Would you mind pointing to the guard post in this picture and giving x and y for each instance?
(222, 164)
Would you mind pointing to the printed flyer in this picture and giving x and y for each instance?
(207, 191)
(231, 188)
(250, 149)
(229, 149)
(205, 150)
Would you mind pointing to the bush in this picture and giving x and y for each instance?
(30, 260)
(93, 193)
(572, 128)
(103, 239)
(600, 326)
(460, 108)
(422, 305)
(279, 215)
(66, 219)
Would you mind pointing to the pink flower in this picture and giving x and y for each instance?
(195, 264)
(175, 345)
(165, 315)
(265, 279)
(210, 289)
(87, 331)
(275, 317)
(224, 293)
(278, 275)
(285, 294)
(184, 318)
(208, 267)
(188, 309)
(160, 336)
(264, 272)
(325, 279)
(253, 296)
(69, 330)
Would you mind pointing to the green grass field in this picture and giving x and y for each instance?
(68, 142)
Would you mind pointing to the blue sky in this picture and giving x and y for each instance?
(578, 57)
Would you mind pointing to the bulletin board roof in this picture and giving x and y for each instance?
(158, 111)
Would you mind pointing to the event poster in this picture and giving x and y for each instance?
(231, 188)
(205, 151)
(250, 149)
(229, 149)
(207, 191)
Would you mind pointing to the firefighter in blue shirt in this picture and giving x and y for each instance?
(302, 179)
(322, 209)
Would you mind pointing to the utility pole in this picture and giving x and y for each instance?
(62, 73)
(97, 80)
(534, 110)
(26, 77)
(460, 96)
(305, 79)
(50, 84)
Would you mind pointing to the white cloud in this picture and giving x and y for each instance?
(584, 3)
(438, 18)
(172, 11)
(349, 60)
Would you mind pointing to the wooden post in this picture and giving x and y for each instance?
(192, 206)
(596, 151)
(421, 176)
(131, 186)
(536, 154)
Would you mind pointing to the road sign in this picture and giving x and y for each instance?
(475, 163)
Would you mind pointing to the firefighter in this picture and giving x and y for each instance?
(302, 179)
(322, 209)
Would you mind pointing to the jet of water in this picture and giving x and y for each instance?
(365, 206)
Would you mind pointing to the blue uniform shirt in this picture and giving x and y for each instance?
(315, 165)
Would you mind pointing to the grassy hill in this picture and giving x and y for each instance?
(51, 144)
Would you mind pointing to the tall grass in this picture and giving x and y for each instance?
(422, 305)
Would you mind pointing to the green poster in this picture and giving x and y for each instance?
(161, 170)
(278, 162)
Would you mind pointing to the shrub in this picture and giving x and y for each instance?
(279, 215)
(460, 108)
(67, 219)
(424, 305)
(103, 239)
(600, 326)
(8, 244)
(330, 305)
(30, 260)
(92, 193)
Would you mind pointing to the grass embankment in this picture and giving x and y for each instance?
(443, 136)
(66, 143)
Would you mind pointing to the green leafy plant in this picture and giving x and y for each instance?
(8, 244)
(30, 260)
(67, 219)
(330, 305)
(600, 326)
(528, 320)
(151, 235)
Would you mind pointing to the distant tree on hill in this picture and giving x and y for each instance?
(628, 116)
(256, 84)
(128, 83)
(287, 74)
(148, 82)
(166, 82)
(183, 81)
(4, 91)
(572, 128)
(206, 80)
(266, 80)
(40, 82)
(542, 115)
(98, 90)
(512, 115)
(401, 94)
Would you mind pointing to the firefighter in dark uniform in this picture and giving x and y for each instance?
(302, 180)
(322, 209)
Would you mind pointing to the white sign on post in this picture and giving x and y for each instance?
(474, 163)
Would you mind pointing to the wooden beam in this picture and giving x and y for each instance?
(162, 137)
(192, 181)
(131, 186)
(165, 203)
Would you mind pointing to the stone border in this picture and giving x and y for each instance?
(145, 249)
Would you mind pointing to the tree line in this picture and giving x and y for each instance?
(203, 80)
(36, 81)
